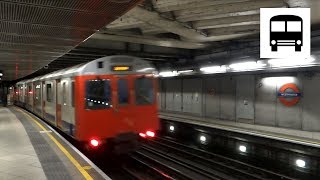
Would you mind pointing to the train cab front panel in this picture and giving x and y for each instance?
(115, 104)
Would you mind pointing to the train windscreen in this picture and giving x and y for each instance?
(144, 91)
(98, 94)
(123, 91)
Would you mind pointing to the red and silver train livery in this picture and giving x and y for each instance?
(108, 101)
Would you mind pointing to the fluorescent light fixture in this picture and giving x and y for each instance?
(291, 62)
(145, 69)
(300, 163)
(185, 71)
(214, 69)
(168, 73)
(271, 81)
(242, 148)
(245, 66)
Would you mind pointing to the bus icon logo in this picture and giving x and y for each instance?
(286, 30)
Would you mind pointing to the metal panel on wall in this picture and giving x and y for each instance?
(288, 117)
(212, 97)
(161, 95)
(266, 100)
(173, 94)
(192, 96)
(227, 98)
(311, 104)
(245, 98)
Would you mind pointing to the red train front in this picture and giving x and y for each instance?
(111, 101)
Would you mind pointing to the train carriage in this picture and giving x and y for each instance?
(108, 101)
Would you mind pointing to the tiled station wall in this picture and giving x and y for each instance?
(244, 98)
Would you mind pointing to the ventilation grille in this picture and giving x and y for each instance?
(50, 28)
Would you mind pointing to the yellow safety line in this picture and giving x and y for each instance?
(85, 174)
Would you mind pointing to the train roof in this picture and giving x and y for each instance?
(101, 66)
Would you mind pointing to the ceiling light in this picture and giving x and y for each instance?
(145, 69)
(291, 62)
(168, 73)
(244, 66)
(1, 74)
(185, 71)
(214, 69)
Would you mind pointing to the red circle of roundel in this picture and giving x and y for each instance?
(295, 100)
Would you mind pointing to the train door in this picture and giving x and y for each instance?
(58, 103)
(44, 96)
(122, 103)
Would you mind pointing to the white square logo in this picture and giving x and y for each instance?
(284, 32)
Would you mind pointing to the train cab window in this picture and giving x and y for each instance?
(123, 91)
(144, 91)
(49, 92)
(98, 94)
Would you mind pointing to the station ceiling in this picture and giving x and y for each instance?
(161, 31)
(33, 33)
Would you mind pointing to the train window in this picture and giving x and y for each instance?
(64, 94)
(144, 91)
(100, 64)
(123, 91)
(38, 92)
(98, 94)
(49, 93)
(73, 94)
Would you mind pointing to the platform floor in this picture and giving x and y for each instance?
(27, 151)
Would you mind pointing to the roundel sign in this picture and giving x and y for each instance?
(289, 94)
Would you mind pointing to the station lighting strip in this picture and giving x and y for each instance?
(248, 66)
(204, 139)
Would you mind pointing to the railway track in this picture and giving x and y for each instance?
(181, 168)
(141, 166)
(208, 165)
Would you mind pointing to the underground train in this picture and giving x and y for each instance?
(107, 102)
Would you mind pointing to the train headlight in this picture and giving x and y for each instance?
(142, 135)
(298, 42)
(94, 142)
(150, 133)
(273, 42)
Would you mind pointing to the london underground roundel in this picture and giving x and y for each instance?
(289, 94)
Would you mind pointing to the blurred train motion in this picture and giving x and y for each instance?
(107, 102)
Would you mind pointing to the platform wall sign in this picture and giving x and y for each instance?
(284, 32)
(289, 94)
